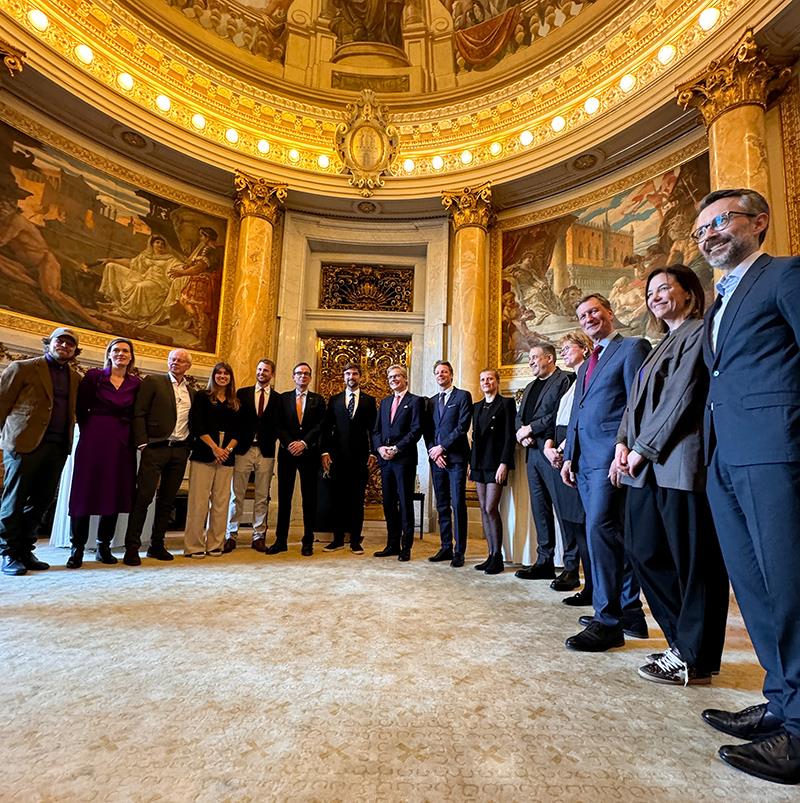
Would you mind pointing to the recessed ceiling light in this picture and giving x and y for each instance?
(263, 146)
(495, 149)
(125, 80)
(627, 82)
(163, 103)
(324, 161)
(294, 155)
(84, 54)
(591, 105)
(558, 123)
(708, 18)
(466, 157)
(198, 121)
(525, 138)
(232, 135)
(437, 163)
(38, 19)
(408, 165)
(666, 54)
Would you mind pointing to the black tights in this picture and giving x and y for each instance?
(79, 530)
(489, 494)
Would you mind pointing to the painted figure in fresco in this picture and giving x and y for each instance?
(368, 21)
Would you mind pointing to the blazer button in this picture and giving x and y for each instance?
(715, 373)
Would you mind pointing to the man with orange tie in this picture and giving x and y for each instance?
(299, 430)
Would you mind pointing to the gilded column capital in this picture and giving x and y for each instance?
(742, 77)
(13, 57)
(471, 206)
(257, 197)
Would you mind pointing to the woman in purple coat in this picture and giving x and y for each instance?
(104, 476)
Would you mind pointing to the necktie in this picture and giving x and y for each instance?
(395, 405)
(351, 405)
(299, 406)
(441, 403)
(595, 356)
(260, 401)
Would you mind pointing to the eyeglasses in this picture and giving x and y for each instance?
(718, 223)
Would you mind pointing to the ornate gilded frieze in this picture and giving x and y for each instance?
(790, 125)
(743, 76)
(471, 206)
(258, 197)
(367, 287)
(13, 58)
(367, 143)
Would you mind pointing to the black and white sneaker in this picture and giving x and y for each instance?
(357, 549)
(672, 670)
(332, 547)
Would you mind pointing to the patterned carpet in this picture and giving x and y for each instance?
(339, 677)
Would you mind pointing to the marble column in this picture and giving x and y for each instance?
(470, 213)
(732, 96)
(258, 205)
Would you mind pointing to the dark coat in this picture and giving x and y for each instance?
(310, 431)
(403, 432)
(449, 428)
(494, 439)
(155, 413)
(250, 424)
(348, 439)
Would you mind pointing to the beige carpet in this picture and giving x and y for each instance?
(253, 678)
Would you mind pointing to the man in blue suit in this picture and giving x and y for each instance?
(398, 427)
(446, 427)
(603, 383)
(752, 428)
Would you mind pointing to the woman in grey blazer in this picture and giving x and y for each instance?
(669, 533)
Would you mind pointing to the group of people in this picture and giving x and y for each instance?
(670, 469)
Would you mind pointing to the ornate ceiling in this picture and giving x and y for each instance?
(501, 89)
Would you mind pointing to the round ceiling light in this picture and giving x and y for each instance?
(263, 146)
(708, 18)
(38, 19)
(591, 105)
(84, 54)
(627, 82)
(163, 103)
(525, 138)
(495, 149)
(666, 54)
(437, 163)
(558, 123)
(232, 135)
(466, 157)
(408, 165)
(294, 155)
(324, 161)
(198, 121)
(125, 81)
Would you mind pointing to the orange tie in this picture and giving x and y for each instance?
(299, 405)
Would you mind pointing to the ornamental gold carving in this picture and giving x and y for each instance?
(790, 123)
(13, 58)
(257, 197)
(471, 206)
(367, 143)
(366, 287)
(742, 77)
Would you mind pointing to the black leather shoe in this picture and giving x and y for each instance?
(775, 759)
(131, 557)
(539, 571)
(275, 549)
(479, 567)
(445, 553)
(75, 559)
(596, 638)
(579, 600)
(458, 560)
(753, 722)
(230, 544)
(495, 564)
(566, 581)
(306, 551)
(103, 555)
(405, 555)
(387, 552)
(13, 567)
(33, 565)
(635, 628)
(159, 552)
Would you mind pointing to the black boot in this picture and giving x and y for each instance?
(103, 554)
(78, 534)
(105, 535)
(495, 564)
(75, 559)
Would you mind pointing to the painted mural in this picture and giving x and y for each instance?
(608, 248)
(78, 247)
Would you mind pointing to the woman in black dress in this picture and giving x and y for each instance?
(493, 444)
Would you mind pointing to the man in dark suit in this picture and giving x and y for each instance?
(398, 427)
(534, 424)
(447, 423)
(37, 417)
(604, 382)
(255, 454)
(347, 456)
(161, 432)
(299, 432)
(752, 430)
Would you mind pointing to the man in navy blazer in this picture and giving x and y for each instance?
(398, 427)
(752, 349)
(446, 426)
(603, 384)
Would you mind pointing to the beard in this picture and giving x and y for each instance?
(729, 255)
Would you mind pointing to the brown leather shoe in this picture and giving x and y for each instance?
(229, 545)
(259, 544)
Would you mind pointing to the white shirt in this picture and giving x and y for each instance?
(732, 280)
(565, 407)
(183, 403)
(257, 396)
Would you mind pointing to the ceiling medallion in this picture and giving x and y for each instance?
(367, 144)
(133, 139)
(585, 161)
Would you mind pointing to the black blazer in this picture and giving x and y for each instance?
(250, 425)
(349, 439)
(310, 431)
(450, 428)
(542, 417)
(403, 432)
(209, 417)
(493, 435)
(155, 413)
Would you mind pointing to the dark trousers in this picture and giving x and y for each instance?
(756, 511)
(350, 486)
(575, 532)
(398, 503)
(161, 469)
(29, 487)
(550, 476)
(307, 465)
(450, 487)
(79, 529)
(541, 507)
(672, 544)
(615, 588)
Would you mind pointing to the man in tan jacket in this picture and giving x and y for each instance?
(37, 417)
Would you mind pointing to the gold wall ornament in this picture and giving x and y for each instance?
(367, 287)
(743, 76)
(13, 58)
(471, 206)
(790, 123)
(257, 197)
(367, 143)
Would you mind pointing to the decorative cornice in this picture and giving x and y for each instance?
(256, 197)
(471, 206)
(742, 77)
(13, 58)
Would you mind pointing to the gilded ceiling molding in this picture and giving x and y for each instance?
(790, 123)
(470, 206)
(13, 58)
(257, 197)
(744, 76)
